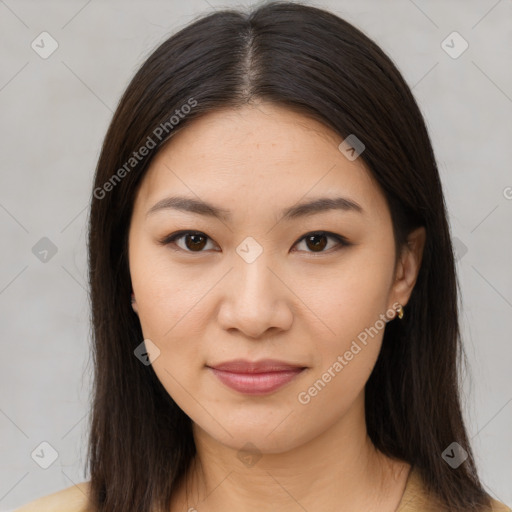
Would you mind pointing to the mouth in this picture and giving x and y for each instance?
(256, 378)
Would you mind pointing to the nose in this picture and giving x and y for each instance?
(257, 300)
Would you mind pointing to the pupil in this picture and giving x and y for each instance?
(195, 244)
(318, 245)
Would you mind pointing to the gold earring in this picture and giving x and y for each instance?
(400, 311)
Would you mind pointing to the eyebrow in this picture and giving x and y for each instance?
(199, 207)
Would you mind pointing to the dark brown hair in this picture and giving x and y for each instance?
(309, 60)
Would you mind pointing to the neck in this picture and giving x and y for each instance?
(339, 470)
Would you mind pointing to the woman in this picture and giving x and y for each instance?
(273, 285)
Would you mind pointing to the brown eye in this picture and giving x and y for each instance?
(193, 241)
(317, 241)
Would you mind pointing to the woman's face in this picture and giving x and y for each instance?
(251, 286)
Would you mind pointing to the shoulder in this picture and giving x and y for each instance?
(498, 506)
(416, 498)
(71, 499)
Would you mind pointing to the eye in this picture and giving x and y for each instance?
(316, 240)
(195, 241)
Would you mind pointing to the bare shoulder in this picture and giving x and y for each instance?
(71, 499)
(498, 506)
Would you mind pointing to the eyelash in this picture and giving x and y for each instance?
(342, 241)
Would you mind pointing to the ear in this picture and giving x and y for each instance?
(408, 266)
(134, 304)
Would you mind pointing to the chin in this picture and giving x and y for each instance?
(262, 438)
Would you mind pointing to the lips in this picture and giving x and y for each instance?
(263, 366)
(256, 378)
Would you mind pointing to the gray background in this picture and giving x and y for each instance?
(54, 114)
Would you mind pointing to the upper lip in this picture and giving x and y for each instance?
(262, 366)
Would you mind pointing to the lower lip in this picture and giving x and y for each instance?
(256, 383)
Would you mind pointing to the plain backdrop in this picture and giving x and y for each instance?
(54, 115)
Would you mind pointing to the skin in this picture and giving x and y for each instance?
(292, 303)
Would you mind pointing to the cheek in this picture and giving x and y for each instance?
(351, 306)
(170, 315)
(346, 358)
(169, 308)
(167, 296)
(350, 300)
(338, 387)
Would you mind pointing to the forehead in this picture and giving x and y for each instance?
(265, 154)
